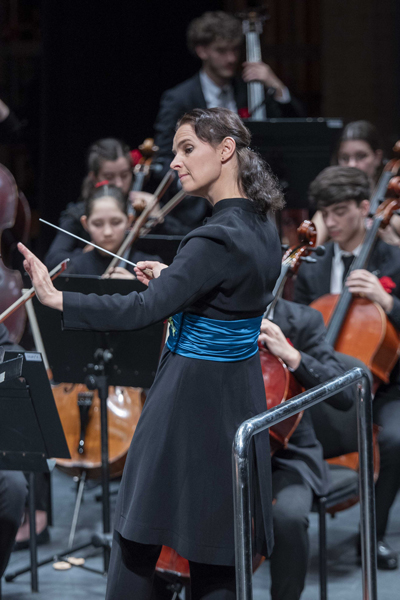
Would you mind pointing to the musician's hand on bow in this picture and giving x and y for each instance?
(140, 200)
(272, 336)
(259, 71)
(367, 285)
(44, 288)
(148, 269)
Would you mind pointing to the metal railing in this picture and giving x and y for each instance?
(241, 476)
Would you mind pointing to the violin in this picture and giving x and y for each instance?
(357, 326)
(15, 221)
(142, 168)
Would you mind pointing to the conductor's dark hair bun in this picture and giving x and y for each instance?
(255, 178)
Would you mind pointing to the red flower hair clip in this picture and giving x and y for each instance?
(387, 283)
(101, 183)
(136, 157)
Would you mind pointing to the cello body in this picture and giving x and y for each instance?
(366, 334)
(124, 409)
(280, 385)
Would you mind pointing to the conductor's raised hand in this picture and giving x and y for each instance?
(44, 288)
(148, 269)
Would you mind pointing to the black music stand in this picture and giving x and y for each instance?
(100, 359)
(30, 429)
(296, 150)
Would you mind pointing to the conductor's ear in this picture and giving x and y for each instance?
(84, 220)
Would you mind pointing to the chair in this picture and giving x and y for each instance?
(337, 432)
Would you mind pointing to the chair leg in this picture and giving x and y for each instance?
(323, 586)
(49, 500)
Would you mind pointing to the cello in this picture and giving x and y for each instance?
(279, 383)
(15, 219)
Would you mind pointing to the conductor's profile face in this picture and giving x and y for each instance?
(197, 163)
(220, 57)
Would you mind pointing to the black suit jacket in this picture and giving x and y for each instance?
(305, 329)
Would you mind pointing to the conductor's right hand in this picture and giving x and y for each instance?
(44, 288)
(148, 269)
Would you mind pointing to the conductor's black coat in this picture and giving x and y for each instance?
(177, 484)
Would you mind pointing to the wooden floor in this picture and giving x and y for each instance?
(344, 570)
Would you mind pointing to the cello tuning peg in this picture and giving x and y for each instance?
(308, 259)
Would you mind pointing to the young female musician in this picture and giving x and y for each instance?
(177, 484)
(106, 220)
(108, 159)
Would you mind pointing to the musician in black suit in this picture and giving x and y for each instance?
(216, 39)
(296, 334)
(341, 194)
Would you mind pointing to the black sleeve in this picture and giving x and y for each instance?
(319, 362)
(394, 314)
(198, 268)
(302, 290)
(292, 110)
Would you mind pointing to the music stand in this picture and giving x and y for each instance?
(123, 358)
(30, 429)
(296, 150)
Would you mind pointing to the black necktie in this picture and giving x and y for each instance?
(347, 260)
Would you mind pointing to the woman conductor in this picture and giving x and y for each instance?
(177, 484)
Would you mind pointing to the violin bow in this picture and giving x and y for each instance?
(166, 209)
(31, 292)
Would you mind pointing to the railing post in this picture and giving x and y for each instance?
(367, 490)
(241, 476)
(242, 512)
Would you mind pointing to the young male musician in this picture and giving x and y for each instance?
(216, 39)
(296, 334)
(341, 194)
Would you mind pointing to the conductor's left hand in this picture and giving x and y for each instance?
(44, 288)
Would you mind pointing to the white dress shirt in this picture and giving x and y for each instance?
(224, 97)
(338, 267)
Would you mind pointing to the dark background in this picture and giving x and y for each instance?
(79, 70)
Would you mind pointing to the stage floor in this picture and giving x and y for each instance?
(344, 572)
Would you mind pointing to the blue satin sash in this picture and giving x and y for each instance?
(212, 339)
